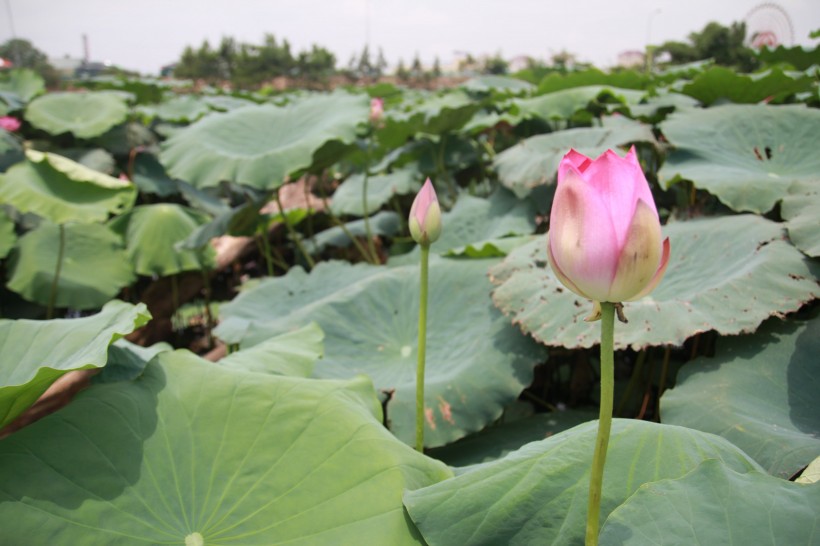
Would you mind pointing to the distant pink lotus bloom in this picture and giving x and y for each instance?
(425, 215)
(9, 123)
(376, 109)
(605, 235)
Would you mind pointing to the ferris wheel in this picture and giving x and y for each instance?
(769, 25)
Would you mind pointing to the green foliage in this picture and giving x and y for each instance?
(538, 494)
(285, 439)
(725, 45)
(24, 55)
(37, 353)
(714, 504)
(758, 393)
(197, 453)
(249, 65)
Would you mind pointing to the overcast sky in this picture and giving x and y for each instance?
(143, 35)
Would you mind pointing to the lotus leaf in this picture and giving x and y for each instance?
(746, 155)
(260, 146)
(62, 190)
(561, 105)
(385, 223)
(94, 265)
(715, 504)
(179, 109)
(534, 161)
(497, 83)
(195, 453)
(36, 353)
(23, 83)
(292, 353)
(802, 209)
(725, 273)
(538, 494)
(347, 199)
(721, 83)
(476, 361)
(8, 237)
(502, 438)
(11, 151)
(151, 233)
(85, 115)
(759, 392)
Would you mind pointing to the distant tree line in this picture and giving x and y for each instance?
(724, 45)
(248, 65)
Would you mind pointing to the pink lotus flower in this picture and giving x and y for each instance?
(376, 109)
(605, 235)
(9, 123)
(425, 215)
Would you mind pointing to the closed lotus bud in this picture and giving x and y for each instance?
(425, 216)
(376, 110)
(605, 235)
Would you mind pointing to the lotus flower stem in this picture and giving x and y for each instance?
(422, 349)
(604, 421)
(297, 240)
(371, 246)
(52, 299)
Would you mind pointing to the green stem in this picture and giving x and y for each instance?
(175, 325)
(338, 221)
(265, 246)
(52, 299)
(425, 254)
(604, 421)
(371, 246)
(295, 237)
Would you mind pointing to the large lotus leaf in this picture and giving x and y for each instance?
(534, 161)
(193, 453)
(226, 103)
(714, 504)
(759, 392)
(94, 267)
(475, 220)
(292, 353)
(150, 177)
(11, 150)
(498, 440)
(811, 474)
(125, 137)
(178, 109)
(560, 105)
(538, 494)
(277, 297)
(127, 361)
(62, 190)
(151, 233)
(85, 115)
(721, 83)
(348, 199)
(488, 83)
(8, 237)
(447, 112)
(260, 146)
(725, 273)
(802, 210)
(476, 361)
(385, 223)
(23, 83)
(36, 353)
(799, 57)
(746, 155)
(624, 79)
